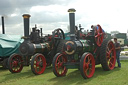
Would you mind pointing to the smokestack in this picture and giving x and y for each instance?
(41, 33)
(3, 30)
(72, 23)
(26, 25)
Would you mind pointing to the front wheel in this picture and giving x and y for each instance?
(58, 65)
(15, 63)
(38, 64)
(87, 65)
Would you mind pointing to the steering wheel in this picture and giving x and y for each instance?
(58, 34)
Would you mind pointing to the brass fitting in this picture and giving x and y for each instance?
(26, 16)
(72, 10)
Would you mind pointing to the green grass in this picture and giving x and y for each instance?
(118, 76)
(125, 49)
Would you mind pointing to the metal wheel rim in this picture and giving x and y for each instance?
(111, 55)
(39, 64)
(89, 65)
(59, 64)
(16, 63)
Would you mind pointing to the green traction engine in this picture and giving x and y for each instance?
(37, 50)
(84, 53)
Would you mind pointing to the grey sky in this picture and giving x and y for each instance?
(13, 10)
(52, 14)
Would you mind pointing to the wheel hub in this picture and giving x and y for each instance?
(41, 64)
(90, 65)
(15, 63)
(59, 65)
(87, 65)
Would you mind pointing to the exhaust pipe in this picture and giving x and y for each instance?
(26, 25)
(3, 29)
(41, 33)
(72, 23)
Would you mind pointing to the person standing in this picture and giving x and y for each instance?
(117, 47)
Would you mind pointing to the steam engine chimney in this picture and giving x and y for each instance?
(3, 30)
(26, 25)
(72, 23)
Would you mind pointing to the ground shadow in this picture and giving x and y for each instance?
(99, 71)
(2, 69)
(76, 78)
(23, 74)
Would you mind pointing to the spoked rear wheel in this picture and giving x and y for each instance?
(58, 65)
(87, 65)
(38, 64)
(15, 63)
(108, 55)
(99, 35)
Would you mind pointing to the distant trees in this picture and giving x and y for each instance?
(114, 32)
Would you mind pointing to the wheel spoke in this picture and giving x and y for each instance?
(15, 67)
(109, 46)
(107, 53)
(36, 61)
(58, 60)
(108, 57)
(40, 68)
(111, 63)
(90, 70)
(108, 60)
(35, 68)
(60, 70)
(99, 30)
(112, 57)
(58, 64)
(86, 70)
(88, 59)
(112, 49)
(98, 40)
(96, 36)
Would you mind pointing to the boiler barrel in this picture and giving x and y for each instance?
(78, 46)
(88, 46)
(30, 48)
(72, 47)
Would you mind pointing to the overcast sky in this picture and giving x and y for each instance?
(112, 15)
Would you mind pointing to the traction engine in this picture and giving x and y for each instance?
(37, 48)
(84, 53)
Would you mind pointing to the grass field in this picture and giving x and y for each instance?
(118, 76)
(125, 49)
